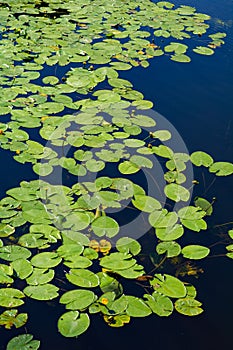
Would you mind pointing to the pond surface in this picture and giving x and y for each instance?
(197, 99)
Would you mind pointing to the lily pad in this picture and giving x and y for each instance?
(42, 292)
(188, 306)
(78, 299)
(137, 307)
(195, 252)
(221, 168)
(83, 278)
(72, 324)
(168, 285)
(105, 226)
(23, 342)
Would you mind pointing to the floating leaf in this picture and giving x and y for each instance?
(83, 278)
(105, 226)
(188, 306)
(199, 158)
(117, 261)
(128, 167)
(204, 205)
(181, 58)
(168, 285)
(11, 297)
(176, 192)
(22, 267)
(171, 248)
(202, 50)
(72, 324)
(10, 318)
(12, 252)
(46, 260)
(128, 245)
(23, 342)
(6, 230)
(78, 299)
(170, 233)
(195, 252)
(146, 203)
(137, 307)
(159, 304)
(221, 168)
(42, 292)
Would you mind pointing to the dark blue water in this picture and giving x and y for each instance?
(197, 99)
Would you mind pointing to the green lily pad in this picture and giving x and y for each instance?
(46, 260)
(105, 226)
(117, 261)
(176, 192)
(170, 233)
(128, 167)
(72, 324)
(188, 306)
(40, 276)
(83, 278)
(159, 304)
(146, 203)
(202, 50)
(137, 307)
(11, 297)
(221, 168)
(78, 299)
(195, 252)
(22, 267)
(6, 230)
(42, 292)
(200, 158)
(12, 252)
(204, 205)
(168, 285)
(170, 248)
(10, 318)
(128, 245)
(23, 342)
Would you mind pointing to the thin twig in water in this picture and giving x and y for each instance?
(160, 264)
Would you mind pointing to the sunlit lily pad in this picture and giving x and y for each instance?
(188, 306)
(137, 307)
(78, 299)
(72, 324)
(168, 285)
(221, 168)
(105, 226)
(159, 304)
(202, 50)
(23, 342)
(195, 252)
(42, 292)
(11, 297)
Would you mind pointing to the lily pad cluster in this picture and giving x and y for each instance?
(64, 104)
(92, 292)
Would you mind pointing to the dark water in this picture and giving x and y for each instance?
(197, 99)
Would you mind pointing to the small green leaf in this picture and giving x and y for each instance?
(127, 167)
(221, 168)
(137, 307)
(188, 306)
(200, 158)
(42, 292)
(168, 285)
(105, 226)
(195, 252)
(72, 324)
(23, 342)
